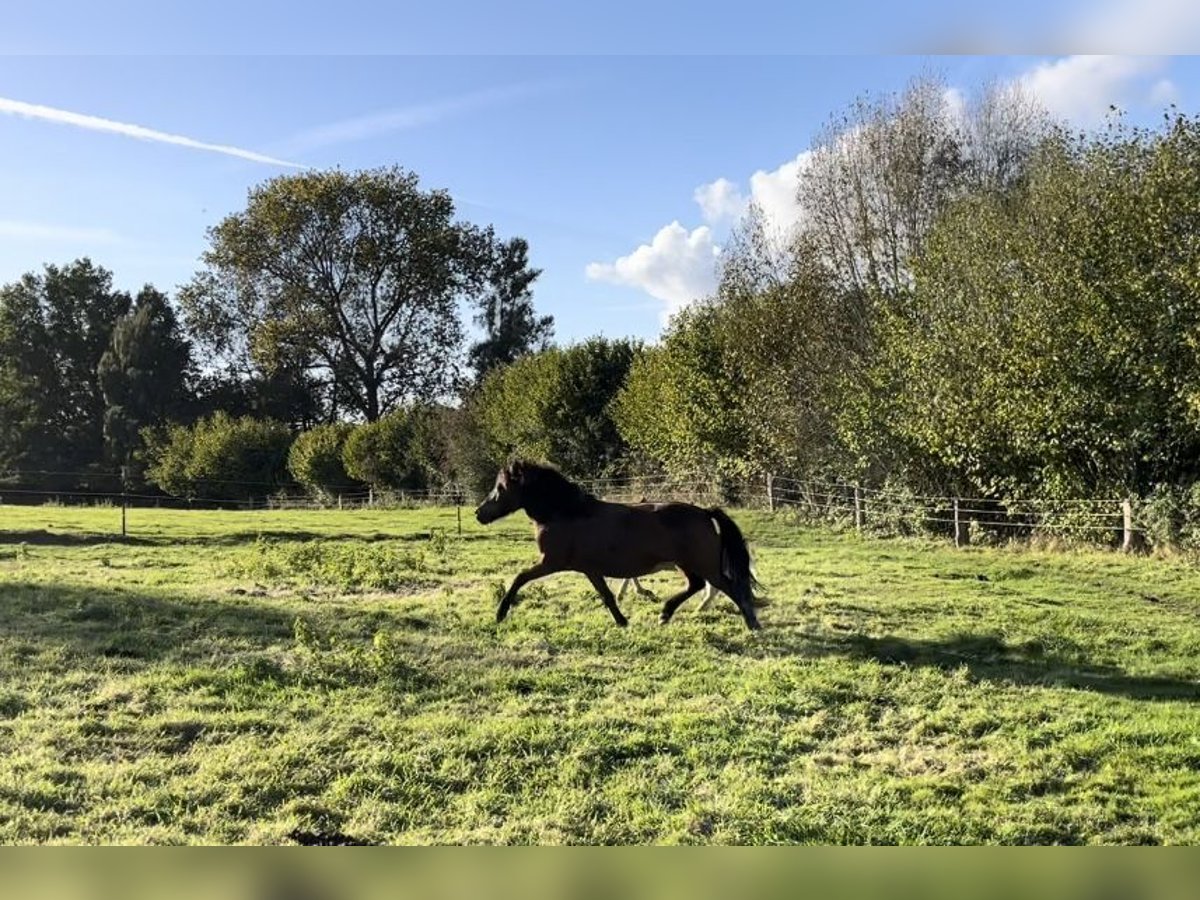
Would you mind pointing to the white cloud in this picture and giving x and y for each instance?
(1082, 88)
(37, 231)
(1138, 26)
(676, 267)
(679, 266)
(1164, 92)
(775, 193)
(95, 123)
(720, 200)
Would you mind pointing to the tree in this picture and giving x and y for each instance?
(143, 374)
(1049, 346)
(557, 405)
(506, 312)
(882, 172)
(287, 394)
(387, 453)
(315, 459)
(357, 277)
(54, 328)
(219, 457)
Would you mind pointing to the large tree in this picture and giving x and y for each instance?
(143, 374)
(54, 328)
(511, 327)
(884, 169)
(557, 405)
(357, 276)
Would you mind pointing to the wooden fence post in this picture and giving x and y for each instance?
(962, 534)
(771, 492)
(858, 509)
(1128, 537)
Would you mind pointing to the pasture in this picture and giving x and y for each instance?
(268, 677)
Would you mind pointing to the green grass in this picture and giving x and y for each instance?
(237, 677)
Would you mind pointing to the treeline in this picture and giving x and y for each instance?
(332, 297)
(977, 302)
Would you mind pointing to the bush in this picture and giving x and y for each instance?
(400, 452)
(557, 405)
(220, 458)
(344, 566)
(1170, 517)
(315, 460)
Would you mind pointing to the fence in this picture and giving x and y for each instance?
(94, 494)
(887, 510)
(1096, 520)
(894, 511)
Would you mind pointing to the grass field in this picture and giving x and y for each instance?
(268, 677)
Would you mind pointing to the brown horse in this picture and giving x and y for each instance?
(576, 532)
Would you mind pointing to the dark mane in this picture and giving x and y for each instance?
(550, 495)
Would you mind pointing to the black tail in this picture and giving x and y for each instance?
(735, 564)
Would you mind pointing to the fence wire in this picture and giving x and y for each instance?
(865, 507)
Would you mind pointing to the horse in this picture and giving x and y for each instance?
(577, 532)
(710, 592)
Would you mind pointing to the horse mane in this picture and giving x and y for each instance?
(549, 494)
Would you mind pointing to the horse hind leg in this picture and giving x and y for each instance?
(742, 597)
(710, 594)
(695, 582)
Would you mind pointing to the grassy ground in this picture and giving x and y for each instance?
(267, 677)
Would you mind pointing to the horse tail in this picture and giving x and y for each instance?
(735, 564)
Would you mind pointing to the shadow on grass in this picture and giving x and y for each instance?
(41, 538)
(235, 538)
(44, 538)
(986, 657)
(115, 623)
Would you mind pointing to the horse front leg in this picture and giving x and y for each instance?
(541, 570)
(610, 601)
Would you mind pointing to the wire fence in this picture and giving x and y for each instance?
(884, 510)
(890, 510)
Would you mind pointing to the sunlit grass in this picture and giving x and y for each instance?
(241, 677)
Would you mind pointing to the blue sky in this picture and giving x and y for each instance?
(598, 160)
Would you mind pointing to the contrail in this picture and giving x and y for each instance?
(415, 116)
(95, 123)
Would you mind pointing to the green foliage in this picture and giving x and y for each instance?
(345, 566)
(403, 451)
(506, 312)
(678, 408)
(143, 374)
(315, 459)
(557, 406)
(358, 276)
(219, 457)
(1169, 517)
(54, 329)
(748, 382)
(1048, 343)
